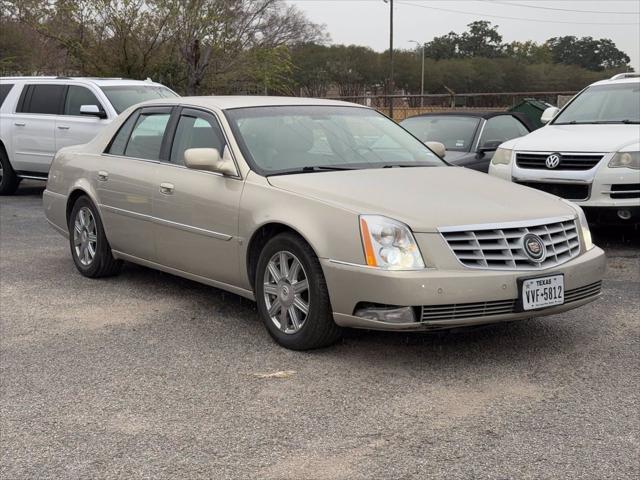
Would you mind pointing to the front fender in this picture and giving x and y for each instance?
(331, 231)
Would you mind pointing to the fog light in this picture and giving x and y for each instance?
(624, 214)
(387, 314)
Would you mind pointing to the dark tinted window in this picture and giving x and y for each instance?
(5, 88)
(78, 96)
(455, 132)
(119, 142)
(501, 129)
(201, 131)
(146, 137)
(43, 99)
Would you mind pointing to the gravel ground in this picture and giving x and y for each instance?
(147, 375)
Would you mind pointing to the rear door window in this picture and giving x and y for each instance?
(78, 96)
(43, 99)
(147, 135)
(5, 88)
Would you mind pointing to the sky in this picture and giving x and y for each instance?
(366, 22)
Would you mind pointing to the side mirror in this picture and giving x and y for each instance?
(437, 148)
(489, 146)
(209, 160)
(548, 114)
(93, 110)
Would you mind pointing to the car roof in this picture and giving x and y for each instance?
(629, 77)
(478, 114)
(100, 81)
(229, 102)
(465, 113)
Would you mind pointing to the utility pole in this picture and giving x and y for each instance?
(391, 81)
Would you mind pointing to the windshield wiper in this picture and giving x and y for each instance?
(319, 168)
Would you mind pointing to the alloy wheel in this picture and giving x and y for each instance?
(85, 236)
(286, 292)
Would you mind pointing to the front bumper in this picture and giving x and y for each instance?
(598, 183)
(351, 285)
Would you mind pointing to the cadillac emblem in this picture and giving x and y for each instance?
(534, 248)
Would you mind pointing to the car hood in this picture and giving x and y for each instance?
(577, 138)
(426, 198)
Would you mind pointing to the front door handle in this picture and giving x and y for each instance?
(63, 127)
(103, 176)
(166, 188)
(19, 124)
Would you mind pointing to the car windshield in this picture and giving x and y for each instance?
(123, 96)
(613, 103)
(287, 139)
(455, 132)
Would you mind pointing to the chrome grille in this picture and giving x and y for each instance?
(501, 247)
(568, 161)
(431, 313)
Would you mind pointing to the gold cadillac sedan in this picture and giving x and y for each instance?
(327, 214)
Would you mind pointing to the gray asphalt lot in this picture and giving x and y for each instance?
(147, 375)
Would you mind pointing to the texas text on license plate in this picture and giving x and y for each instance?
(542, 292)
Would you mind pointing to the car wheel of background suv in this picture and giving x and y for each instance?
(8, 180)
(292, 295)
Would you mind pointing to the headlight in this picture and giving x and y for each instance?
(389, 244)
(625, 159)
(502, 157)
(584, 225)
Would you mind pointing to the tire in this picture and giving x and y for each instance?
(316, 328)
(86, 236)
(9, 181)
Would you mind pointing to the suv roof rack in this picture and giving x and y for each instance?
(625, 75)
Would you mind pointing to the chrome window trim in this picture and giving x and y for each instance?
(167, 223)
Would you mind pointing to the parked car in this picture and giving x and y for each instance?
(328, 214)
(470, 138)
(40, 115)
(588, 153)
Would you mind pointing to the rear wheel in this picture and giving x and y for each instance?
(292, 295)
(89, 246)
(9, 181)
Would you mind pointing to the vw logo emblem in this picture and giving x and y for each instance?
(534, 248)
(553, 160)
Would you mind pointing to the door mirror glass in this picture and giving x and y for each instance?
(437, 148)
(489, 146)
(548, 114)
(93, 110)
(209, 160)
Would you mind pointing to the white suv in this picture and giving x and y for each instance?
(40, 115)
(589, 152)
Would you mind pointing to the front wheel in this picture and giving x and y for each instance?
(292, 295)
(89, 246)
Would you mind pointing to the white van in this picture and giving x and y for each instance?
(589, 152)
(40, 115)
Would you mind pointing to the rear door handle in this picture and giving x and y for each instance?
(19, 124)
(103, 176)
(166, 188)
(64, 127)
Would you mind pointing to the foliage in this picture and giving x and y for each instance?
(268, 46)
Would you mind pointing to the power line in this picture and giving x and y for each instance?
(518, 4)
(401, 2)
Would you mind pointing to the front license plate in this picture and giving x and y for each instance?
(542, 292)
